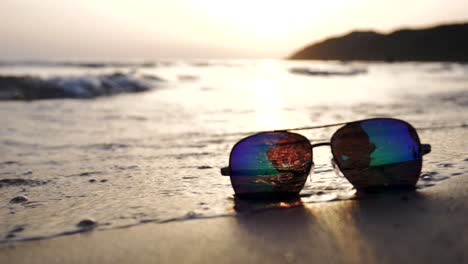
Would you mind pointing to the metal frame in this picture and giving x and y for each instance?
(424, 148)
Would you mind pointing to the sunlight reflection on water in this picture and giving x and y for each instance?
(155, 156)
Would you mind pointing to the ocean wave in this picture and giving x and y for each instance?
(309, 72)
(86, 86)
(91, 64)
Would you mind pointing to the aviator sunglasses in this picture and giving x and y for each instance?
(372, 154)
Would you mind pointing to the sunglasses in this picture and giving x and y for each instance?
(372, 154)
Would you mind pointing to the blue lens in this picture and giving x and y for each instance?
(378, 152)
(270, 162)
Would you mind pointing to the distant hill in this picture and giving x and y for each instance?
(440, 43)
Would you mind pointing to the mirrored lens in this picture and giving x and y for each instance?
(272, 162)
(378, 153)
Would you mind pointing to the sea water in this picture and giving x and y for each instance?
(154, 154)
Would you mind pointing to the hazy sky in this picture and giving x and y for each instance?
(152, 29)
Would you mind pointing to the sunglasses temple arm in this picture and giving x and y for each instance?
(425, 148)
(225, 171)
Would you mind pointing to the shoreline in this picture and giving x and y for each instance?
(115, 163)
(429, 225)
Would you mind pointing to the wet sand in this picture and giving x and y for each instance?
(148, 172)
(424, 226)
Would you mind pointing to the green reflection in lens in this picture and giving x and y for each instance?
(393, 141)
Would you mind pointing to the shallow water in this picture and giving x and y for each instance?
(155, 156)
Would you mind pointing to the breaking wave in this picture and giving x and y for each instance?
(310, 72)
(85, 86)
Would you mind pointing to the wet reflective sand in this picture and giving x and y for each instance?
(155, 156)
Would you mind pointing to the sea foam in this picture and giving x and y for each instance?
(84, 86)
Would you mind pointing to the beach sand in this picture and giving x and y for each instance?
(145, 166)
(424, 226)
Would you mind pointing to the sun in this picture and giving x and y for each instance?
(260, 18)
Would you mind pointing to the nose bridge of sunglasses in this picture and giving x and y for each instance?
(321, 144)
(336, 169)
(321, 157)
